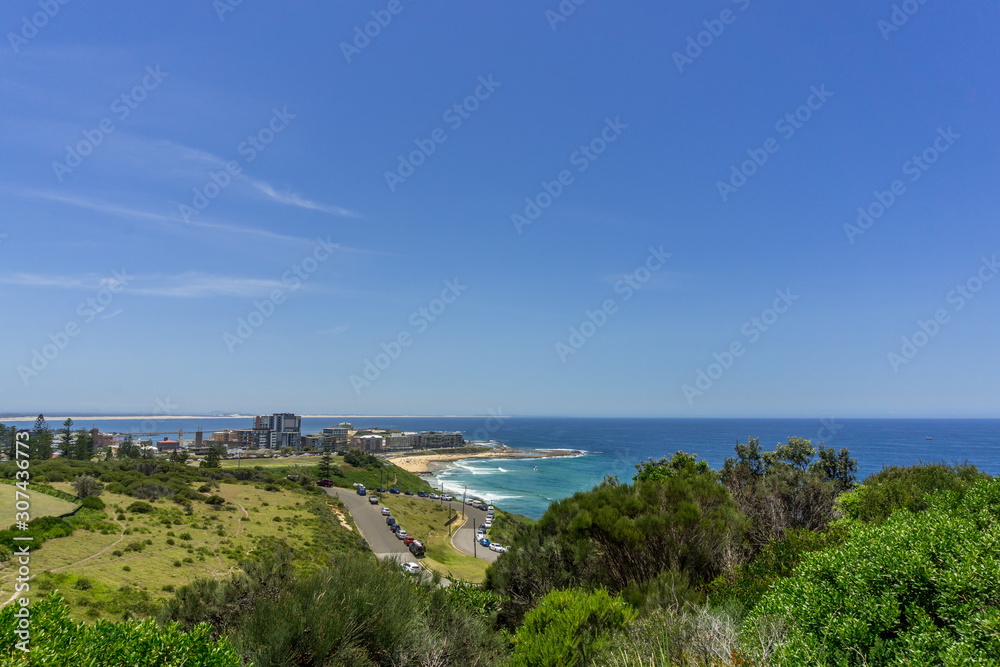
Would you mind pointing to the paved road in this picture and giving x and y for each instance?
(384, 543)
(370, 521)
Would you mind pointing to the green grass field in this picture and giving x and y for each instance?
(39, 504)
(129, 572)
(428, 522)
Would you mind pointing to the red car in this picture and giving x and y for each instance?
(325, 482)
(408, 540)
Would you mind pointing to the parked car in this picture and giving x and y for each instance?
(470, 501)
(292, 478)
(400, 534)
(408, 540)
(495, 547)
(489, 507)
(389, 520)
(395, 491)
(385, 511)
(483, 541)
(499, 549)
(380, 489)
(395, 527)
(447, 498)
(434, 496)
(373, 500)
(407, 493)
(324, 482)
(422, 494)
(417, 548)
(412, 568)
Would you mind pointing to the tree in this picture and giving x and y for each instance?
(325, 462)
(40, 444)
(86, 486)
(179, 456)
(66, 442)
(128, 449)
(212, 458)
(785, 489)
(7, 436)
(83, 446)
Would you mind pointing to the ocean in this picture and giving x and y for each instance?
(615, 446)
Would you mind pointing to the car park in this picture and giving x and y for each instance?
(411, 568)
(385, 511)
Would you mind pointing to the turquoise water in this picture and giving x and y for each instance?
(614, 446)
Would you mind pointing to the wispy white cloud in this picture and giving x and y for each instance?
(293, 199)
(188, 285)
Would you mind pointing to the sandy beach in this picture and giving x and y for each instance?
(421, 464)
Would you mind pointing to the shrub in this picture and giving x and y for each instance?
(58, 640)
(126, 568)
(92, 503)
(86, 486)
(568, 628)
(905, 488)
(215, 500)
(917, 589)
(184, 536)
(83, 584)
(140, 507)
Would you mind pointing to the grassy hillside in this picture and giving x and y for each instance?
(126, 564)
(429, 523)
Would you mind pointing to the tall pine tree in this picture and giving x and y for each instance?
(66, 441)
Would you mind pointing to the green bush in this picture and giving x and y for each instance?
(92, 503)
(905, 488)
(58, 640)
(917, 589)
(215, 500)
(569, 628)
(140, 507)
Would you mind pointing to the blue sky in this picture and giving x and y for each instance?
(103, 248)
